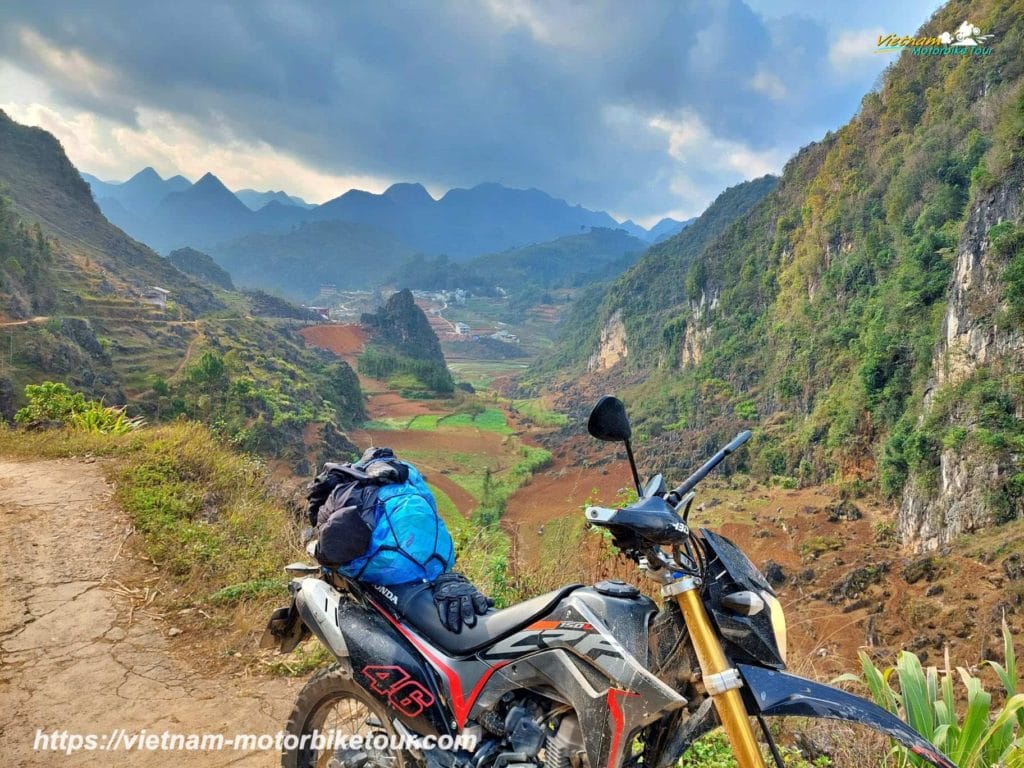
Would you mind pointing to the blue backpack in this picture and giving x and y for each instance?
(386, 533)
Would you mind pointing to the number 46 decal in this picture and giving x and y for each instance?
(403, 693)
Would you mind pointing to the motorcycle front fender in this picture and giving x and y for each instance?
(775, 694)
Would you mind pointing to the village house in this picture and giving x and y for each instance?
(156, 296)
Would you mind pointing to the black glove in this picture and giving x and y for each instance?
(458, 602)
(372, 453)
(384, 471)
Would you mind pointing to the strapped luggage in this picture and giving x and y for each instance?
(377, 521)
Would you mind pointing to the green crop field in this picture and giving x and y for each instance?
(481, 373)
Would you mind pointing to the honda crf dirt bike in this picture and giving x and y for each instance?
(582, 677)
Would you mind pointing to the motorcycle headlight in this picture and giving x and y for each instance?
(778, 622)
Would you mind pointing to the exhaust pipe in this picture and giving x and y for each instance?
(317, 604)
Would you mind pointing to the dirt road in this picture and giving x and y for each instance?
(76, 656)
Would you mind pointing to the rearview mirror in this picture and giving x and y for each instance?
(655, 487)
(608, 421)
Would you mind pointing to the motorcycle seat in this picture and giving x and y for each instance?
(415, 605)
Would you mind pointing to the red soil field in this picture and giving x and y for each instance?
(385, 404)
(443, 444)
(477, 442)
(559, 491)
(346, 341)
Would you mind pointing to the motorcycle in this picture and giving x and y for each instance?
(581, 677)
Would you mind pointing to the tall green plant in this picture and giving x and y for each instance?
(54, 401)
(983, 736)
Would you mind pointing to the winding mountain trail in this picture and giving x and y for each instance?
(29, 321)
(82, 652)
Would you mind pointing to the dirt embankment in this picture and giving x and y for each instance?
(346, 341)
(81, 648)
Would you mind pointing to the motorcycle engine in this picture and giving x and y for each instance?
(564, 748)
(525, 732)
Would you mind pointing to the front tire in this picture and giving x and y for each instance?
(332, 704)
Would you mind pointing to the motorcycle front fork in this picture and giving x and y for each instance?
(721, 681)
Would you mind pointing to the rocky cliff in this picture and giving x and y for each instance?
(611, 347)
(978, 339)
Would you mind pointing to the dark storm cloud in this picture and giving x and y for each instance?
(553, 95)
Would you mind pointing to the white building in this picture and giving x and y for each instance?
(156, 296)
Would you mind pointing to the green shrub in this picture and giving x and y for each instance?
(403, 372)
(205, 512)
(1008, 242)
(784, 481)
(885, 533)
(816, 546)
(714, 751)
(53, 401)
(954, 438)
(981, 736)
(534, 412)
(107, 420)
(50, 401)
(746, 410)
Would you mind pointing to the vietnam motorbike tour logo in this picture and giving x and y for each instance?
(967, 40)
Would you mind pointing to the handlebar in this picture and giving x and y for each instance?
(737, 441)
(714, 461)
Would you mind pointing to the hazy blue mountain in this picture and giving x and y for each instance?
(634, 229)
(201, 265)
(465, 222)
(99, 187)
(117, 214)
(141, 194)
(296, 263)
(202, 215)
(256, 200)
(666, 228)
(491, 217)
(570, 261)
(410, 194)
(599, 254)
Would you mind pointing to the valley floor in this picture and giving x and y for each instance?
(849, 586)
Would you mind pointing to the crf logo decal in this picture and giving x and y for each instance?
(402, 692)
(584, 641)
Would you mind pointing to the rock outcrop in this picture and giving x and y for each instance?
(697, 333)
(971, 339)
(611, 348)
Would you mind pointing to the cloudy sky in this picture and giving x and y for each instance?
(643, 109)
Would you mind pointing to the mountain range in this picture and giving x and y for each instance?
(86, 305)
(256, 200)
(173, 213)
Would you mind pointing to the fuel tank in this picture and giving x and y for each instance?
(624, 611)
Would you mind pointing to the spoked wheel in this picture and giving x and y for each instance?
(331, 706)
